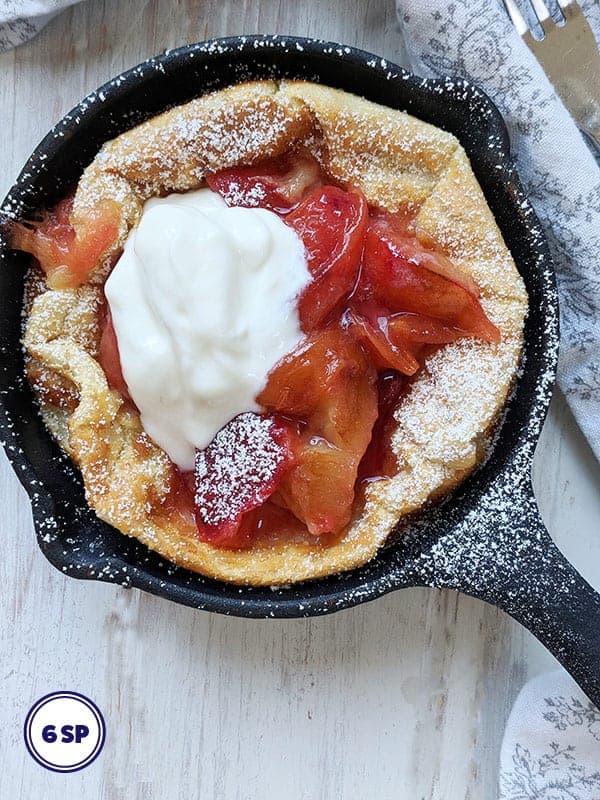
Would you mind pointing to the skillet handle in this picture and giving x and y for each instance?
(546, 594)
(561, 610)
(498, 550)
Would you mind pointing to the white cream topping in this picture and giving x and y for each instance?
(203, 302)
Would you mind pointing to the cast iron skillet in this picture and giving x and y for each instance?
(487, 540)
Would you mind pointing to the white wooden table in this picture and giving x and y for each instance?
(403, 698)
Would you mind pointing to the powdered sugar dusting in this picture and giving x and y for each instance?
(243, 459)
(176, 153)
(249, 196)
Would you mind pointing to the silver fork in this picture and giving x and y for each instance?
(570, 58)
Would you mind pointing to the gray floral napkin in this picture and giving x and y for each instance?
(551, 748)
(475, 39)
(22, 19)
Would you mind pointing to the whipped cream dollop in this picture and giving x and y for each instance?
(204, 304)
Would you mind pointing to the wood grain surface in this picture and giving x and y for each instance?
(403, 698)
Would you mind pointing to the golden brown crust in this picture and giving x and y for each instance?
(174, 151)
(394, 158)
(399, 162)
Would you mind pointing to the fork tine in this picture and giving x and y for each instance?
(516, 17)
(569, 8)
(544, 18)
(541, 11)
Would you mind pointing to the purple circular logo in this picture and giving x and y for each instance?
(64, 731)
